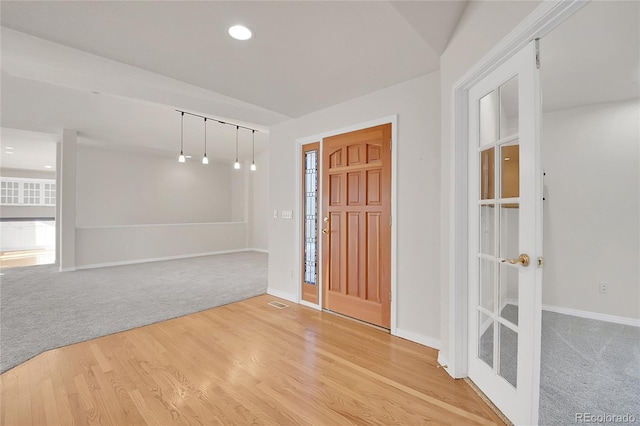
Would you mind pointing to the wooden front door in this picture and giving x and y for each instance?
(356, 235)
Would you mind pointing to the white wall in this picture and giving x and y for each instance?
(134, 206)
(418, 281)
(125, 188)
(591, 213)
(259, 220)
(483, 24)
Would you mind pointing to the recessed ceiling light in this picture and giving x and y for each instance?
(187, 156)
(48, 167)
(8, 152)
(8, 147)
(240, 32)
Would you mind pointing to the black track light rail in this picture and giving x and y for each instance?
(214, 119)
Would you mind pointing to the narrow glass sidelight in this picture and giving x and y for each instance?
(311, 217)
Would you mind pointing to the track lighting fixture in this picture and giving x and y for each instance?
(253, 150)
(205, 160)
(236, 165)
(181, 157)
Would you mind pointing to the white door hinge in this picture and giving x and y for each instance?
(537, 41)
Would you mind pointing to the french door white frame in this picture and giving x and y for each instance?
(540, 22)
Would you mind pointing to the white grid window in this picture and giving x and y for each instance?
(27, 192)
(31, 193)
(50, 194)
(10, 192)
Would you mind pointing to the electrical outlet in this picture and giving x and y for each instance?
(604, 287)
(275, 214)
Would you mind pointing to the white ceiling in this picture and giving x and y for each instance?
(593, 57)
(305, 55)
(22, 149)
(147, 58)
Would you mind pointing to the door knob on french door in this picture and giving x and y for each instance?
(523, 260)
(325, 231)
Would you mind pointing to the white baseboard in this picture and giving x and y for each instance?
(310, 305)
(67, 269)
(592, 315)
(258, 250)
(444, 364)
(418, 338)
(155, 259)
(282, 295)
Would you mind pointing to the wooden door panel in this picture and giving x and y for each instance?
(335, 190)
(357, 200)
(335, 250)
(354, 155)
(354, 277)
(373, 256)
(354, 189)
(374, 188)
(373, 154)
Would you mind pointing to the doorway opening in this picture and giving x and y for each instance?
(27, 198)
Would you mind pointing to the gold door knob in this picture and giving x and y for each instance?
(523, 259)
(325, 231)
(326, 219)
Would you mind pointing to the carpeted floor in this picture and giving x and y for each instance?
(42, 309)
(587, 366)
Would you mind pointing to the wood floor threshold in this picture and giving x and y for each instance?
(242, 363)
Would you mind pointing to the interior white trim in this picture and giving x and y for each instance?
(282, 295)
(155, 259)
(635, 322)
(152, 225)
(418, 338)
(258, 250)
(393, 119)
(310, 305)
(444, 362)
(541, 21)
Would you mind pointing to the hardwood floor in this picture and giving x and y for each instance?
(243, 363)
(17, 258)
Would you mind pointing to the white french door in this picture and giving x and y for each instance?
(505, 236)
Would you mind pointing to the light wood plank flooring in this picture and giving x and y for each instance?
(244, 363)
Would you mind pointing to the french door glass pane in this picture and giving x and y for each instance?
(508, 349)
(487, 229)
(509, 108)
(485, 338)
(508, 294)
(488, 122)
(487, 284)
(509, 230)
(487, 174)
(510, 164)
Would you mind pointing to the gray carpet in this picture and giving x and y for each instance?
(42, 309)
(588, 366)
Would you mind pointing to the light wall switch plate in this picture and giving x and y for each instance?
(287, 214)
(275, 214)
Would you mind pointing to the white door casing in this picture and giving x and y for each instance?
(505, 197)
